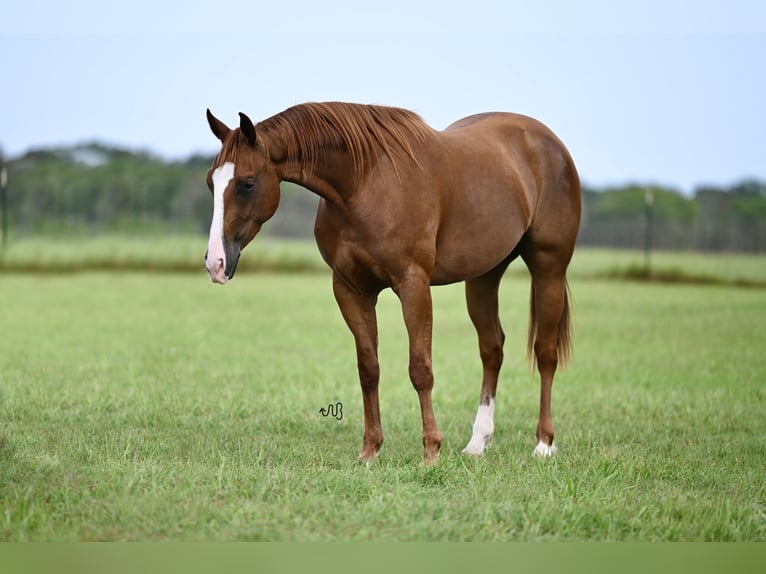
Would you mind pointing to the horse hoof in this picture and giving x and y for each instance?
(477, 446)
(368, 455)
(432, 460)
(544, 450)
(431, 455)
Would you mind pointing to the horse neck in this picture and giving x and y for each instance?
(331, 176)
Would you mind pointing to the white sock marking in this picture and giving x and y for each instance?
(215, 253)
(544, 450)
(483, 428)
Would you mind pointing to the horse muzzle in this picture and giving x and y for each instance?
(222, 264)
(233, 251)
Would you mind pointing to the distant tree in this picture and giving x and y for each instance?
(748, 201)
(95, 187)
(627, 203)
(748, 216)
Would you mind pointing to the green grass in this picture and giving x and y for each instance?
(743, 270)
(137, 406)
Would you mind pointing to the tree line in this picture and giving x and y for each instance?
(95, 188)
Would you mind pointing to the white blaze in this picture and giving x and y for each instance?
(216, 257)
(483, 428)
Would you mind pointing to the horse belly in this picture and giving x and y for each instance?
(488, 192)
(482, 230)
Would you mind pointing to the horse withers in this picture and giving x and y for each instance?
(407, 207)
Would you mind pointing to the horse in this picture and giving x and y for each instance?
(407, 207)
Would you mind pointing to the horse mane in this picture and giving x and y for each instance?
(308, 130)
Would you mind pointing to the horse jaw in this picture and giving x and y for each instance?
(216, 255)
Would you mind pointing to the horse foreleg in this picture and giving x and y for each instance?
(359, 312)
(414, 292)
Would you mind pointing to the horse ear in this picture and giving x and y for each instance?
(247, 127)
(217, 126)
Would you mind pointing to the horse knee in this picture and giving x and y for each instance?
(369, 374)
(421, 374)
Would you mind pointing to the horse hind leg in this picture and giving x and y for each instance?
(482, 301)
(549, 335)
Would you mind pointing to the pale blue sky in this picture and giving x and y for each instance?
(649, 91)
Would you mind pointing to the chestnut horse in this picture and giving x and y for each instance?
(405, 206)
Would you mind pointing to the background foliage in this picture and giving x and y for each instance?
(94, 187)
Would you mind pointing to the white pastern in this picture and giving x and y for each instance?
(483, 428)
(544, 450)
(216, 257)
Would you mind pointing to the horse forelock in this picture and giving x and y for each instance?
(230, 148)
(307, 131)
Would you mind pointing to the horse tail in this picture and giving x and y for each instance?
(565, 329)
(564, 340)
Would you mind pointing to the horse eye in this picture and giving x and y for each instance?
(246, 186)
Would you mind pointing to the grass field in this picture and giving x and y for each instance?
(180, 253)
(156, 406)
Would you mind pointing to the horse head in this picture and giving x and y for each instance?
(245, 188)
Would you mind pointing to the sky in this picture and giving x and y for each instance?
(652, 91)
